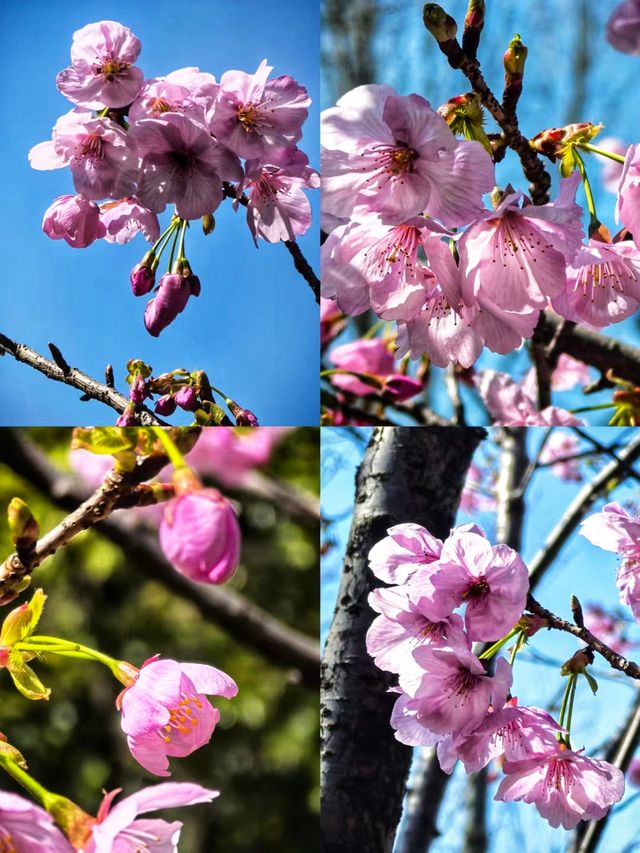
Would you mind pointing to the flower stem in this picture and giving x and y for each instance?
(594, 222)
(173, 246)
(165, 234)
(587, 146)
(491, 651)
(37, 791)
(185, 225)
(593, 408)
(175, 457)
(55, 646)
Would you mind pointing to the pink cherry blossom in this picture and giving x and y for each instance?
(102, 73)
(278, 209)
(492, 581)
(395, 155)
(125, 218)
(613, 529)
(370, 264)
(369, 356)
(603, 284)
(454, 327)
(97, 150)
(27, 828)
(119, 829)
(166, 713)
(405, 622)
(181, 164)
(200, 536)
(511, 732)
(452, 693)
(160, 96)
(623, 27)
(612, 170)
(608, 627)
(515, 257)
(559, 445)
(565, 786)
(628, 204)
(75, 219)
(509, 404)
(252, 114)
(402, 552)
(332, 321)
(232, 455)
(474, 498)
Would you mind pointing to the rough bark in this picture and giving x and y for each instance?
(406, 474)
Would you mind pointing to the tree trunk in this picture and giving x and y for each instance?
(407, 474)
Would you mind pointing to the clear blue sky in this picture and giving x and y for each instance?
(581, 568)
(254, 328)
(408, 59)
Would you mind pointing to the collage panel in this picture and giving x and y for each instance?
(480, 621)
(164, 208)
(481, 259)
(158, 640)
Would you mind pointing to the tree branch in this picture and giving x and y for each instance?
(242, 620)
(91, 388)
(615, 660)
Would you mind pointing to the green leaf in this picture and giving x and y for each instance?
(25, 679)
(105, 440)
(593, 684)
(22, 622)
(568, 163)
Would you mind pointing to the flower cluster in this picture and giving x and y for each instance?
(409, 236)
(135, 145)
(448, 696)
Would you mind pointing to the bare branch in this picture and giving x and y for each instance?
(91, 388)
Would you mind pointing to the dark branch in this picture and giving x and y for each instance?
(90, 388)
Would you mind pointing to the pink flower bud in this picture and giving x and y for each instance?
(400, 388)
(246, 418)
(187, 398)
(166, 405)
(200, 536)
(74, 219)
(138, 390)
(128, 417)
(623, 27)
(142, 279)
(170, 300)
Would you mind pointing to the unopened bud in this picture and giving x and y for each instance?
(208, 224)
(129, 417)
(24, 528)
(243, 417)
(514, 58)
(166, 405)
(187, 398)
(441, 25)
(578, 663)
(465, 117)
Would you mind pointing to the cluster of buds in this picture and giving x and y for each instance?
(182, 389)
(560, 142)
(464, 115)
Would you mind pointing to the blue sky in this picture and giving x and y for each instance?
(552, 96)
(581, 568)
(254, 328)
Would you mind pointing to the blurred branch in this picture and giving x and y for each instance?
(600, 484)
(406, 474)
(426, 791)
(247, 623)
(60, 371)
(514, 464)
(421, 414)
(587, 835)
(293, 501)
(592, 348)
(615, 660)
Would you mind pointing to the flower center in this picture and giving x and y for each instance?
(604, 275)
(401, 160)
(112, 67)
(478, 589)
(93, 146)
(142, 840)
(248, 117)
(159, 105)
(181, 719)
(559, 775)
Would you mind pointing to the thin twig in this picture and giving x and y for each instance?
(90, 388)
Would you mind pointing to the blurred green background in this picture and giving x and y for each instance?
(263, 756)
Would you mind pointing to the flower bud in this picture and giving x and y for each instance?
(138, 391)
(243, 417)
(128, 417)
(200, 536)
(465, 117)
(515, 57)
(166, 405)
(441, 26)
(74, 219)
(23, 526)
(208, 224)
(170, 300)
(143, 275)
(187, 398)
(399, 388)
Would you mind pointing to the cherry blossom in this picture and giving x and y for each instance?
(120, 829)
(565, 786)
(253, 114)
(623, 27)
(611, 169)
(628, 204)
(74, 219)
(102, 73)
(370, 356)
(28, 828)
(165, 712)
(559, 445)
(394, 154)
(509, 404)
(402, 552)
(172, 295)
(125, 218)
(200, 535)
